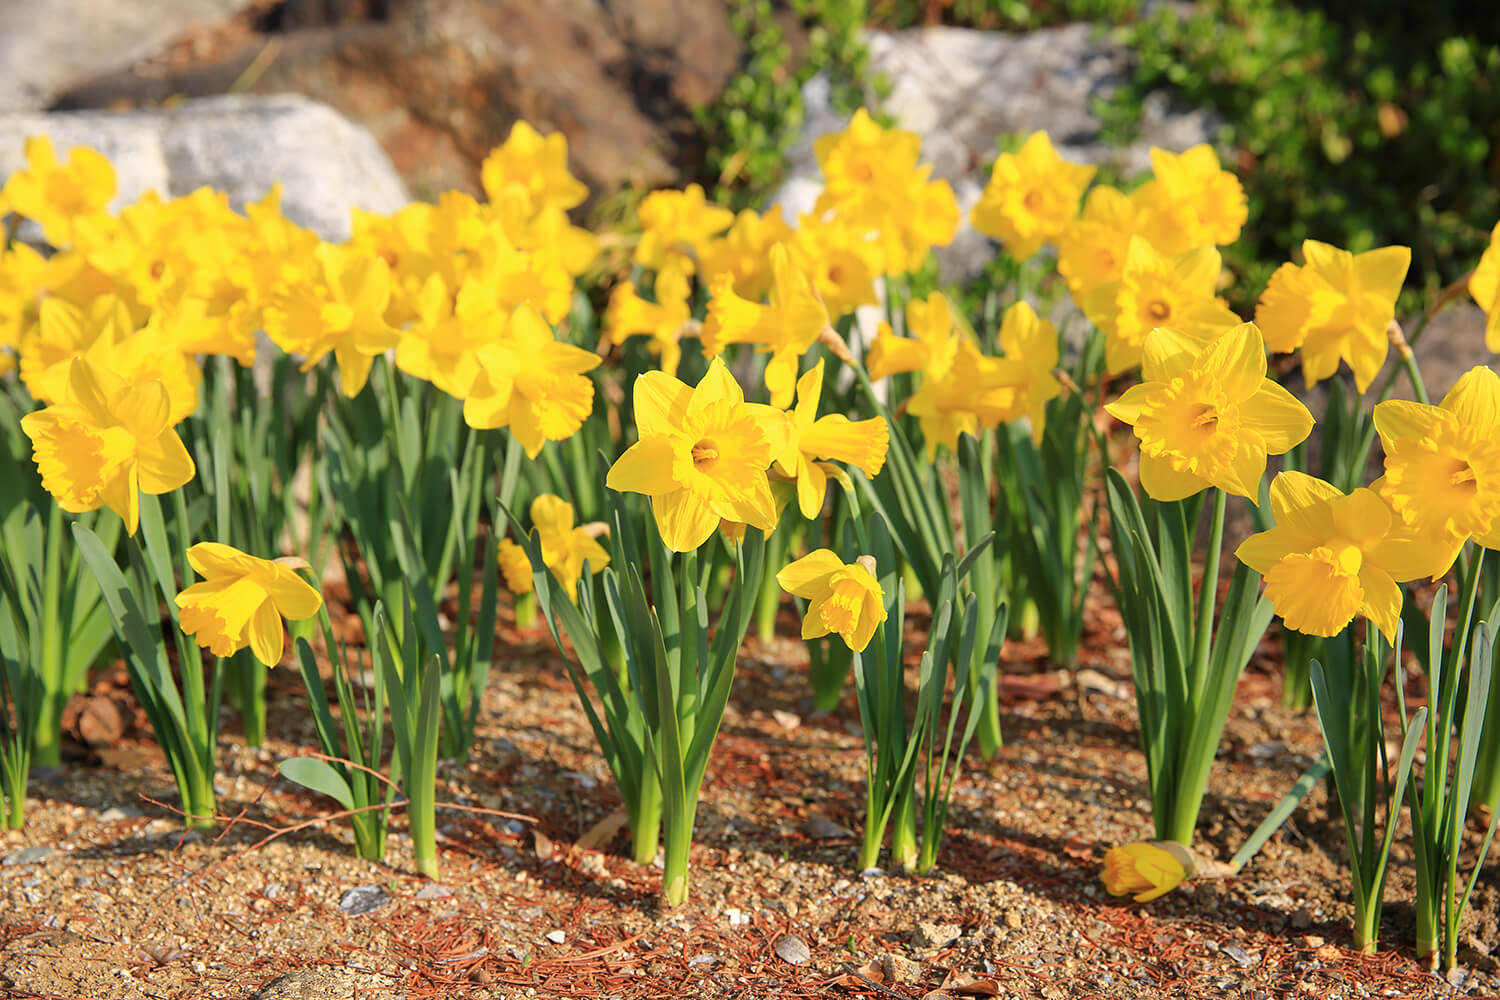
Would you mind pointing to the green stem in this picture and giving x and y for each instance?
(904, 829)
(679, 839)
(869, 848)
(524, 608)
(1208, 595)
(645, 818)
(990, 736)
(251, 679)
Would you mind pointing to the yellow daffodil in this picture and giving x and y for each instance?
(443, 345)
(340, 310)
(532, 383)
(1484, 286)
(1156, 290)
(1331, 557)
(1146, 870)
(1031, 197)
(1091, 250)
(1207, 415)
(702, 456)
(972, 392)
(1337, 307)
(745, 251)
(842, 263)
(931, 346)
(788, 327)
(532, 167)
(676, 226)
(241, 601)
(812, 439)
(1442, 463)
(106, 442)
(665, 321)
(515, 567)
(65, 331)
(843, 599)
(1192, 201)
(56, 195)
(565, 548)
(1030, 347)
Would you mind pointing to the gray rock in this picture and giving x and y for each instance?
(27, 856)
(47, 46)
(962, 89)
(115, 814)
(363, 899)
(434, 891)
(239, 145)
(792, 950)
(930, 935)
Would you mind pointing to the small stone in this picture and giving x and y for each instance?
(556, 937)
(1241, 957)
(1301, 920)
(900, 969)
(704, 959)
(930, 935)
(820, 827)
(115, 814)
(1012, 919)
(786, 720)
(434, 891)
(27, 856)
(792, 950)
(593, 865)
(736, 918)
(272, 890)
(363, 899)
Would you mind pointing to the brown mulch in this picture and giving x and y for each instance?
(130, 907)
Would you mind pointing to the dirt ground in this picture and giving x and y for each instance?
(125, 906)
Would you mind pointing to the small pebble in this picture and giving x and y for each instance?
(434, 891)
(116, 813)
(1241, 957)
(556, 937)
(792, 950)
(363, 899)
(929, 935)
(820, 827)
(27, 856)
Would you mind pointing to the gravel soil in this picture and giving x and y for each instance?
(114, 901)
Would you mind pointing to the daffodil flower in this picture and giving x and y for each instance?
(1192, 200)
(532, 383)
(1337, 307)
(861, 443)
(1031, 197)
(1091, 250)
(565, 548)
(106, 442)
(930, 348)
(56, 195)
(1442, 463)
(843, 599)
(1331, 557)
(1484, 286)
(1156, 290)
(241, 601)
(702, 456)
(664, 321)
(1206, 415)
(788, 327)
(532, 168)
(1146, 870)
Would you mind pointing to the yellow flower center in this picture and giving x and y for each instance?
(1452, 475)
(1192, 424)
(1033, 200)
(1159, 310)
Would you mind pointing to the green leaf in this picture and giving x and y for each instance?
(319, 776)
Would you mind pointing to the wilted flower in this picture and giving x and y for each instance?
(1031, 197)
(1207, 415)
(843, 599)
(1337, 306)
(242, 600)
(1146, 869)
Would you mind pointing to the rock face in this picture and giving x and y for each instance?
(440, 82)
(239, 145)
(48, 46)
(962, 89)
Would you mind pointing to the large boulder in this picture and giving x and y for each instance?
(48, 46)
(441, 82)
(240, 145)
